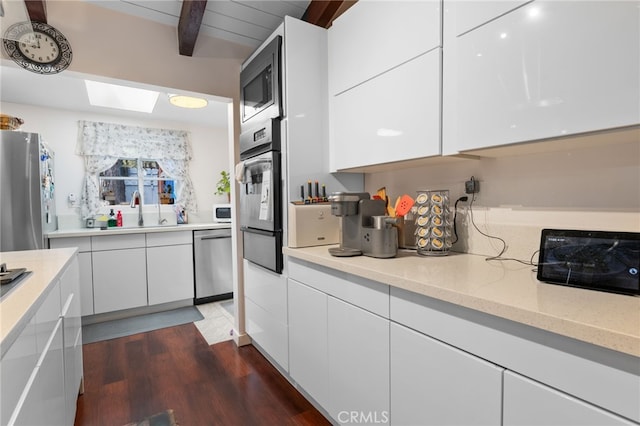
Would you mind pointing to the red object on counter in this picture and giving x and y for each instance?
(119, 218)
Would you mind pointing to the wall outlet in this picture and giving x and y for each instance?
(472, 186)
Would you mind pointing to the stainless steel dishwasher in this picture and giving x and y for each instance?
(212, 262)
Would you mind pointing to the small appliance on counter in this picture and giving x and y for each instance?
(596, 260)
(312, 225)
(365, 228)
(222, 213)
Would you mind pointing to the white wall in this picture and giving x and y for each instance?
(59, 129)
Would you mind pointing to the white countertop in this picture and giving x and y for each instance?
(505, 289)
(19, 304)
(90, 232)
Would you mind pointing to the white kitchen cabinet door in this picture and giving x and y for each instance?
(531, 403)
(308, 339)
(548, 69)
(170, 273)
(86, 284)
(16, 367)
(119, 279)
(44, 397)
(436, 384)
(392, 117)
(72, 337)
(372, 37)
(469, 14)
(358, 365)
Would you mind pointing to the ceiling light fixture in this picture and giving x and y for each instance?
(121, 97)
(184, 101)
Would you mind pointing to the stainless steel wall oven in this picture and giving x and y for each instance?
(261, 195)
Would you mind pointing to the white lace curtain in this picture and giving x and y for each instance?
(102, 144)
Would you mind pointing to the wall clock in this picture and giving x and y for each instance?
(37, 47)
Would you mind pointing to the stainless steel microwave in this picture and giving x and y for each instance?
(261, 84)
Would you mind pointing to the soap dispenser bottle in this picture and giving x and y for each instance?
(112, 219)
(119, 218)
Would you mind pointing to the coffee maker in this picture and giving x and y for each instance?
(364, 227)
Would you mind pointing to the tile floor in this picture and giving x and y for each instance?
(217, 325)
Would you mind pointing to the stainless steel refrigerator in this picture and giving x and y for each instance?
(27, 208)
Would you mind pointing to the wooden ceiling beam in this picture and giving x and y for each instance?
(323, 12)
(189, 25)
(37, 10)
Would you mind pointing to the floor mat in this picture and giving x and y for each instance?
(165, 418)
(140, 324)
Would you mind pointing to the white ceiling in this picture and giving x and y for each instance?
(67, 91)
(243, 22)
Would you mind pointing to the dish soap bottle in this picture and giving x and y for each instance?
(119, 218)
(112, 219)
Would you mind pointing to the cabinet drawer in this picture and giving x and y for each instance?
(529, 402)
(597, 375)
(155, 239)
(83, 243)
(370, 295)
(117, 242)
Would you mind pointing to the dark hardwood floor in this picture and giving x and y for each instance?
(130, 378)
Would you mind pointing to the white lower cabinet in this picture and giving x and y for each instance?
(72, 337)
(16, 368)
(132, 270)
(119, 279)
(170, 273)
(308, 338)
(41, 370)
(358, 348)
(433, 383)
(527, 402)
(266, 311)
(43, 400)
(86, 283)
(86, 272)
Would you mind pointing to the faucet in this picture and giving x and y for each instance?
(161, 221)
(136, 196)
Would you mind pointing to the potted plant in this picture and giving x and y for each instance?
(224, 185)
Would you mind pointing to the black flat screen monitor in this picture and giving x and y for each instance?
(597, 260)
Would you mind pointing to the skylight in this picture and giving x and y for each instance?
(121, 97)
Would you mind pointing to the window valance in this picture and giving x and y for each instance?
(119, 140)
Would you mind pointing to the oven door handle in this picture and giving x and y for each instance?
(249, 163)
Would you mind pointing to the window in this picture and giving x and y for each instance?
(114, 153)
(118, 183)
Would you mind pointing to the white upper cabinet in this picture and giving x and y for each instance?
(545, 70)
(469, 14)
(375, 36)
(393, 117)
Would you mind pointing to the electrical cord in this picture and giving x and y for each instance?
(504, 243)
(455, 214)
